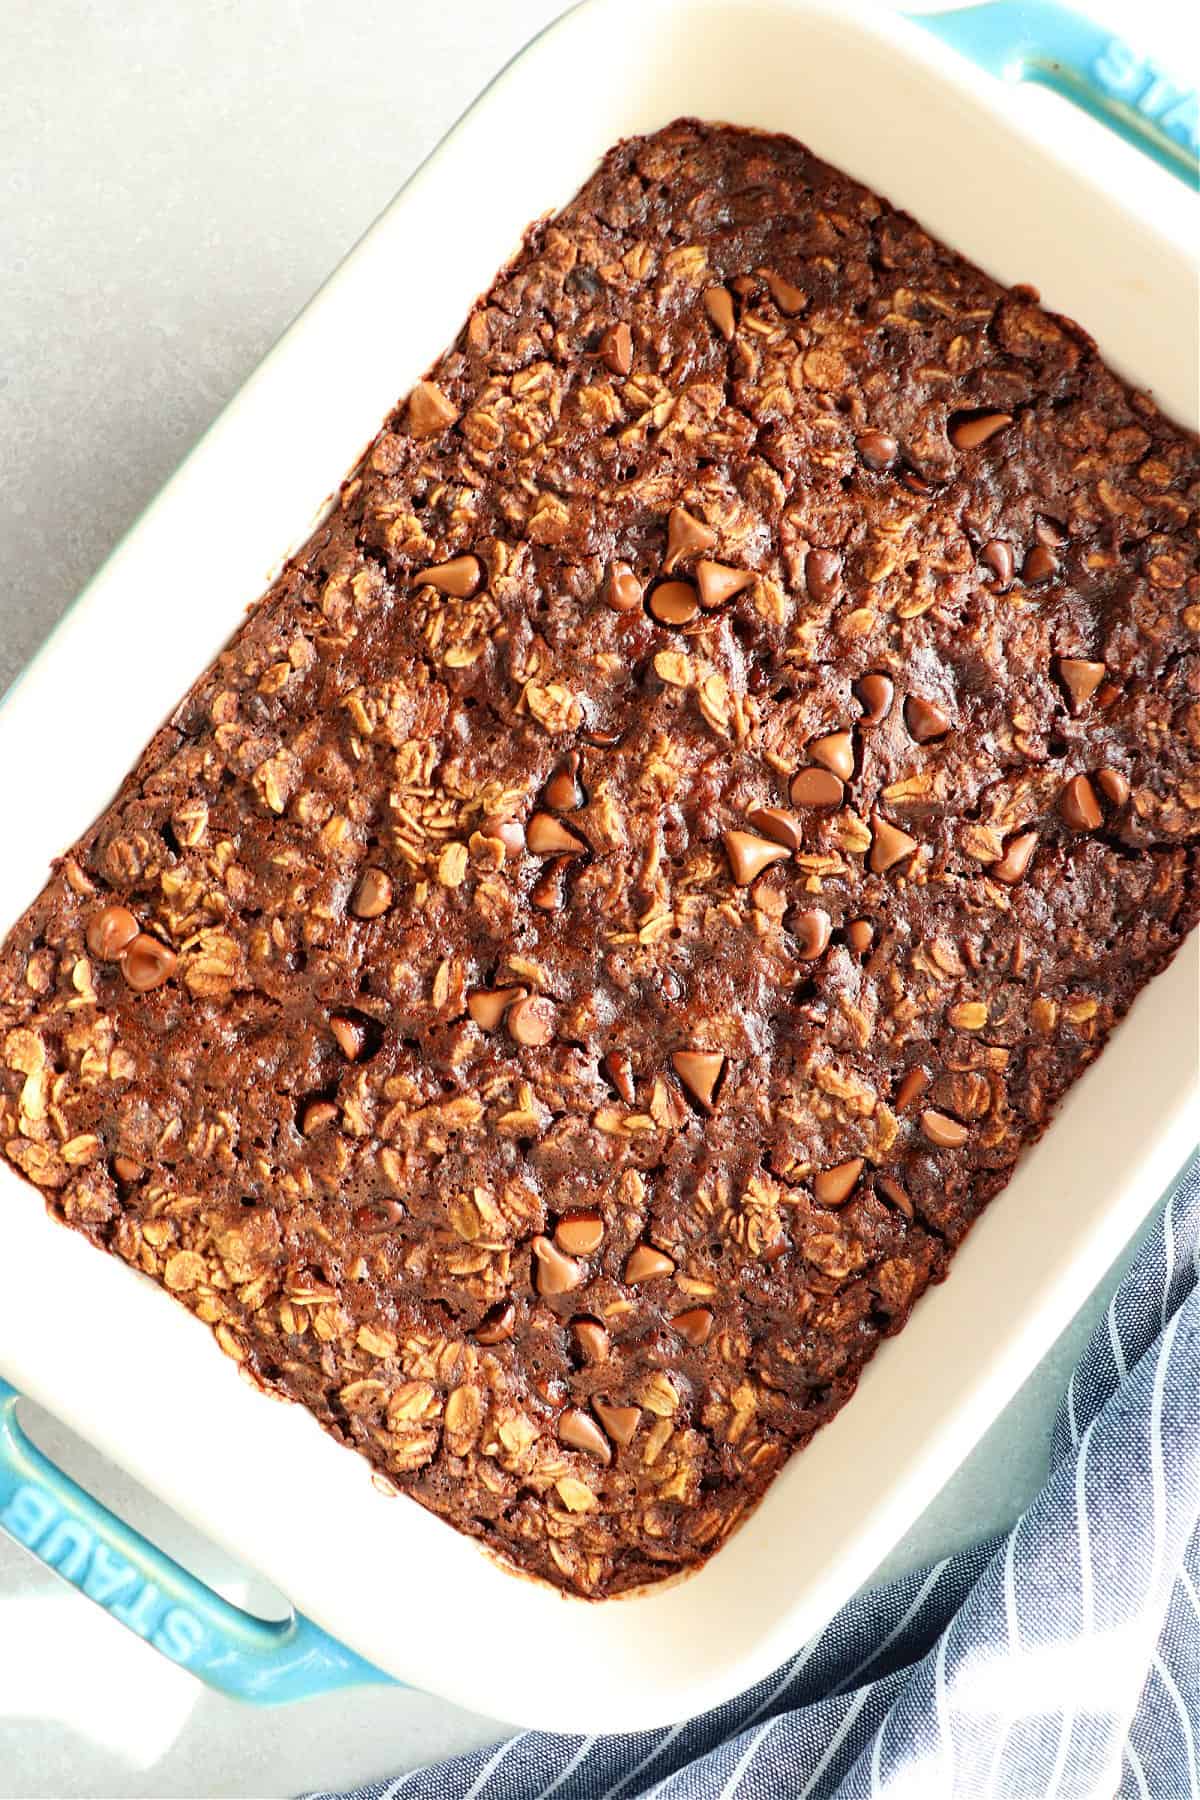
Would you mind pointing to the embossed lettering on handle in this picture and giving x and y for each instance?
(69, 1547)
(1129, 92)
(155, 1597)
(1122, 72)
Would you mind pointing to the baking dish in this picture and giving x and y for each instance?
(117, 1360)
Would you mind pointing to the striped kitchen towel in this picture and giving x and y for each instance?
(1061, 1660)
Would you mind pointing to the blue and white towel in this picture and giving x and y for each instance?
(1062, 1660)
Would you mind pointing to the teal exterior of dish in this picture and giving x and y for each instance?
(152, 1595)
(1036, 40)
(57, 1521)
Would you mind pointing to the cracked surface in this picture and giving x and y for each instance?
(563, 1152)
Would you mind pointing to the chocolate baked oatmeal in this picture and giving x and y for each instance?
(562, 984)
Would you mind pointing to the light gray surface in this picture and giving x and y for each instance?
(177, 179)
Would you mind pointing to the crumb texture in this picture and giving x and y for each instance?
(561, 985)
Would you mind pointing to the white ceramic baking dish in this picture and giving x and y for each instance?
(119, 1361)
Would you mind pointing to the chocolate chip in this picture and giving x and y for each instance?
(1078, 804)
(591, 1339)
(889, 845)
(674, 603)
(555, 1273)
(694, 1326)
(531, 1022)
(562, 791)
(924, 720)
(1040, 564)
(146, 963)
(350, 1036)
(833, 1187)
(378, 1216)
(547, 836)
(749, 855)
(645, 1263)
(816, 787)
(913, 1085)
(125, 1169)
(776, 823)
(547, 891)
(860, 935)
(718, 583)
(943, 1131)
(812, 932)
(623, 590)
(619, 1070)
(620, 1422)
(718, 304)
(616, 348)
(429, 411)
(685, 535)
(1113, 786)
(579, 1233)
(510, 832)
(916, 484)
(968, 430)
(110, 932)
(875, 695)
(496, 1326)
(699, 1071)
(787, 297)
(877, 449)
(317, 1116)
(487, 1007)
(1080, 678)
(1017, 853)
(579, 1431)
(999, 558)
(459, 577)
(834, 752)
(822, 575)
(373, 895)
(892, 1191)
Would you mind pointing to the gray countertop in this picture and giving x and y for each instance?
(179, 179)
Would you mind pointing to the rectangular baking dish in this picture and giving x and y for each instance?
(108, 1352)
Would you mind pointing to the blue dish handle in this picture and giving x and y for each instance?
(151, 1594)
(1037, 40)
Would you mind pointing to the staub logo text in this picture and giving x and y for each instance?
(36, 1520)
(1121, 72)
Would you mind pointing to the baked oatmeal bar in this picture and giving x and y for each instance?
(561, 985)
